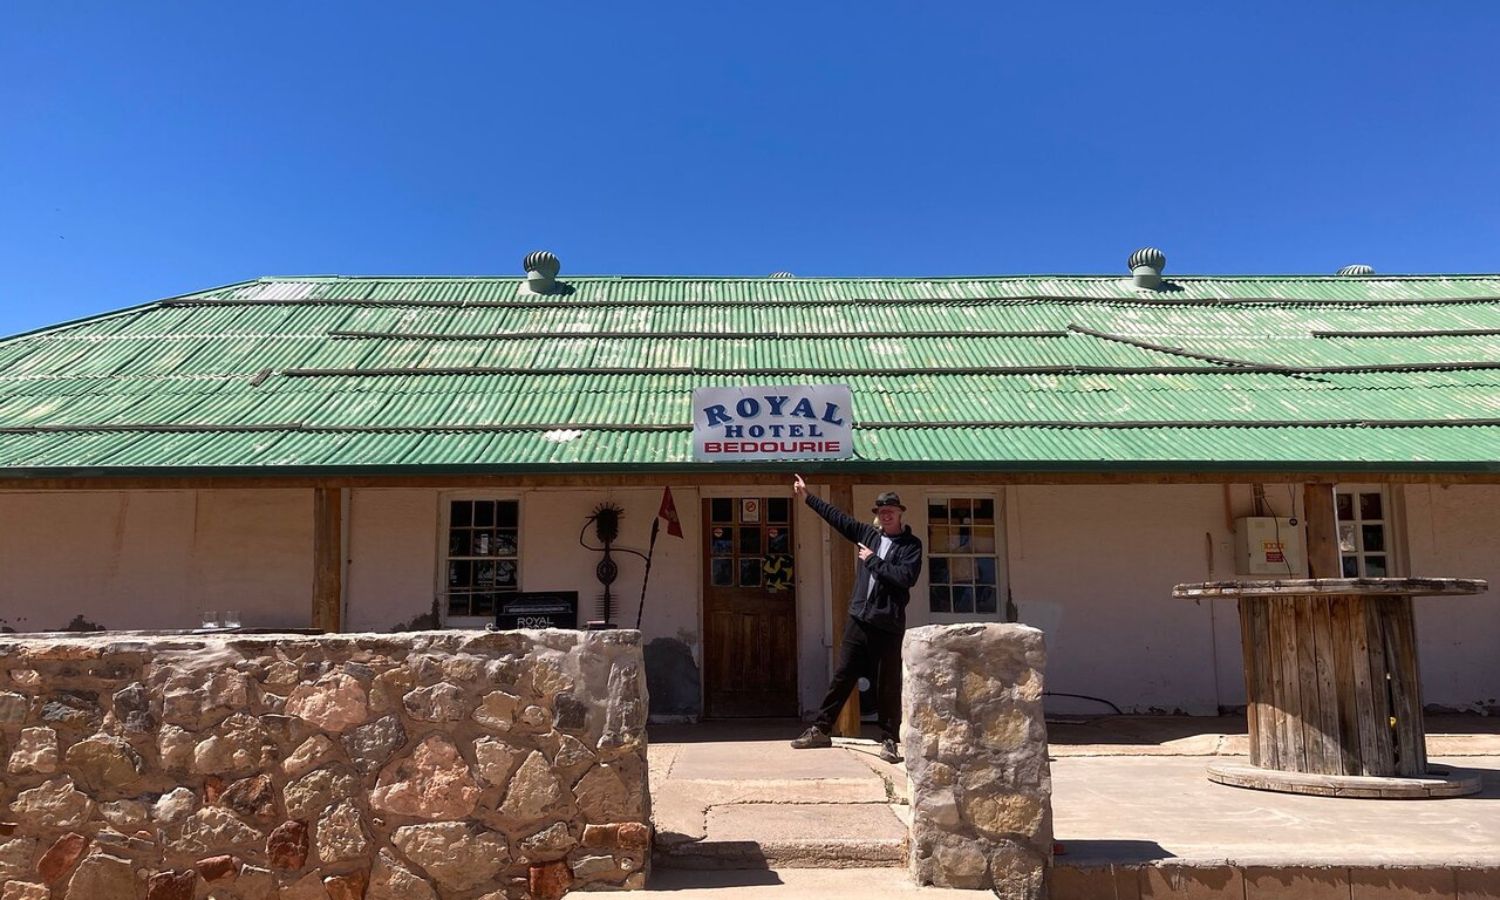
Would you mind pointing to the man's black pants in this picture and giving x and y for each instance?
(875, 654)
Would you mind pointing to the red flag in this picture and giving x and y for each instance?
(668, 511)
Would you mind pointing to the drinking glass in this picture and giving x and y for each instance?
(231, 618)
(210, 618)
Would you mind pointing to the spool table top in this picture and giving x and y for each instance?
(1291, 587)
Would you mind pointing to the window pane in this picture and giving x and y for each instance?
(1351, 567)
(1374, 537)
(505, 543)
(1344, 506)
(938, 599)
(963, 599)
(778, 509)
(721, 509)
(722, 571)
(984, 539)
(961, 570)
(458, 542)
(508, 514)
(460, 574)
(777, 540)
(721, 543)
(985, 600)
(482, 605)
(1369, 505)
(984, 570)
(962, 509)
(460, 513)
(958, 538)
(1375, 567)
(458, 604)
(750, 540)
(484, 513)
(505, 574)
(749, 572)
(484, 575)
(1346, 539)
(937, 511)
(938, 573)
(937, 538)
(984, 511)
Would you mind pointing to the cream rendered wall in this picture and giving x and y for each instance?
(1454, 532)
(155, 559)
(392, 574)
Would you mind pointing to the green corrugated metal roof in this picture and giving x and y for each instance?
(334, 374)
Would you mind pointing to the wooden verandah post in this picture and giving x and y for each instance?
(327, 590)
(842, 561)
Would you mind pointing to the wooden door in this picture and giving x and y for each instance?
(749, 607)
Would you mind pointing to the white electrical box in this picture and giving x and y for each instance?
(1267, 546)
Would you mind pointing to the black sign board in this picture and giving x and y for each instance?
(538, 609)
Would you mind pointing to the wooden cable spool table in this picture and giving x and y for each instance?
(1333, 687)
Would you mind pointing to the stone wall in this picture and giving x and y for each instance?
(392, 767)
(976, 755)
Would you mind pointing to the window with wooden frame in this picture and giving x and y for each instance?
(481, 558)
(965, 578)
(1365, 517)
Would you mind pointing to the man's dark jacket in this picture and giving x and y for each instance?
(884, 607)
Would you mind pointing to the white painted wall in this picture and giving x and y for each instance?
(392, 574)
(1454, 532)
(155, 559)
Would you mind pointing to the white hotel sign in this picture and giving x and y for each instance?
(747, 424)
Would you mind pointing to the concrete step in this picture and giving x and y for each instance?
(1267, 881)
(792, 835)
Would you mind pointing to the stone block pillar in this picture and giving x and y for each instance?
(975, 742)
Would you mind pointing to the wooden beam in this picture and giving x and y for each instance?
(327, 559)
(1323, 560)
(841, 558)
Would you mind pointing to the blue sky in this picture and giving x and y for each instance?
(150, 149)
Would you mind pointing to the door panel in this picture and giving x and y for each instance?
(749, 606)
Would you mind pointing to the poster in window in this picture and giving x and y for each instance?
(750, 510)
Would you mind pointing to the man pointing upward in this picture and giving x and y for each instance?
(890, 559)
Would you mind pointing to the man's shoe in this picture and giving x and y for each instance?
(888, 751)
(812, 737)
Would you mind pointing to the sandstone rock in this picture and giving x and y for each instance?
(348, 886)
(998, 815)
(533, 718)
(549, 679)
(388, 688)
(308, 796)
(60, 857)
(175, 747)
(218, 868)
(172, 885)
(53, 804)
(335, 703)
(603, 796)
(585, 867)
(214, 829)
(494, 760)
(441, 702)
(533, 790)
(27, 679)
(174, 806)
(15, 857)
(253, 798)
(571, 753)
(24, 890)
(463, 668)
(550, 881)
(282, 673)
(371, 746)
(497, 711)
(102, 877)
(308, 887)
(457, 855)
(960, 865)
(341, 834)
(73, 709)
(129, 845)
(625, 714)
(126, 815)
(287, 845)
(35, 751)
(241, 746)
(312, 753)
(132, 698)
(618, 836)
(433, 783)
(572, 714)
(390, 880)
(13, 707)
(551, 843)
(104, 763)
(192, 699)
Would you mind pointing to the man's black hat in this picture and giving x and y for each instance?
(889, 498)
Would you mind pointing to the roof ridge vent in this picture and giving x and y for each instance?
(541, 267)
(782, 275)
(1356, 271)
(1146, 265)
